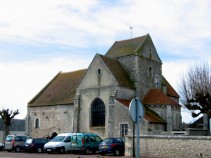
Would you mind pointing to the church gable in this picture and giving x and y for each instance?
(142, 46)
(147, 50)
(125, 47)
(104, 71)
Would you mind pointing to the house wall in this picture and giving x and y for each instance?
(122, 116)
(171, 114)
(52, 119)
(171, 146)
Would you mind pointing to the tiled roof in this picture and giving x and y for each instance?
(118, 72)
(126, 47)
(157, 97)
(150, 115)
(170, 90)
(61, 90)
(16, 125)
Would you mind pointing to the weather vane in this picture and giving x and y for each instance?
(131, 31)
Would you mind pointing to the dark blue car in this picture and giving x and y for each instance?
(112, 145)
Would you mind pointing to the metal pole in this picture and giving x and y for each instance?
(133, 139)
(137, 140)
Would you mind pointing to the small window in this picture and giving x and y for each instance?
(68, 139)
(99, 71)
(150, 53)
(18, 138)
(92, 139)
(157, 82)
(98, 139)
(37, 123)
(150, 72)
(23, 138)
(123, 130)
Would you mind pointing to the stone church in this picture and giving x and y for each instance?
(97, 99)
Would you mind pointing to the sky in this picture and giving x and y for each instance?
(39, 38)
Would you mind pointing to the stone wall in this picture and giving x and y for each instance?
(171, 146)
(51, 119)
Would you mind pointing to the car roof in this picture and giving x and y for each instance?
(65, 134)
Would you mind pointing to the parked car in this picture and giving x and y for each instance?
(15, 142)
(85, 142)
(1, 146)
(112, 145)
(35, 144)
(61, 143)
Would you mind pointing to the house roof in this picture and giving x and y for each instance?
(60, 90)
(118, 72)
(16, 125)
(157, 97)
(150, 115)
(170, 90)
(126, 47)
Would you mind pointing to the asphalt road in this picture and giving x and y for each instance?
(5, 154)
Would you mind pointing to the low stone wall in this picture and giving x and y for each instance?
(171, 146)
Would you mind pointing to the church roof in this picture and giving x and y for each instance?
(157, 97)
(126, 47)
(60, 90)
(118, 72)
(16, 125)
(170, 90)
(150, 115)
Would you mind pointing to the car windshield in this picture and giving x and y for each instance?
(29, 141)
(58, 139)
(9, 138)
(108, 141)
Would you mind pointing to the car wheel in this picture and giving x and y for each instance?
(62, 150)
(8, 150)
(87, 151)
(117, 153)
(39, 150)
(17, 149)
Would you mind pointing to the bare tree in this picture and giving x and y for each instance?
(195, 89)
(7, 115)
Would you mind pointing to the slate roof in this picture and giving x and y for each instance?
(150, 115)
(157, 97)
(170, 90)
(126, 47)
(118, 72)
(60, 90)
(16, 125)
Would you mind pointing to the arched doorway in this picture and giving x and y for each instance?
(54, 134)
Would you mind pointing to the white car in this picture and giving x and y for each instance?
(61, 143)
(1, 146)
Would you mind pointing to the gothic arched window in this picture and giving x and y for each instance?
(98, 113)
(37, 123)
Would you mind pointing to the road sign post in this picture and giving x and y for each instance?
(136, 110)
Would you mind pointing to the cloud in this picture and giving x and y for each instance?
(56, 31)
(20, 82)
